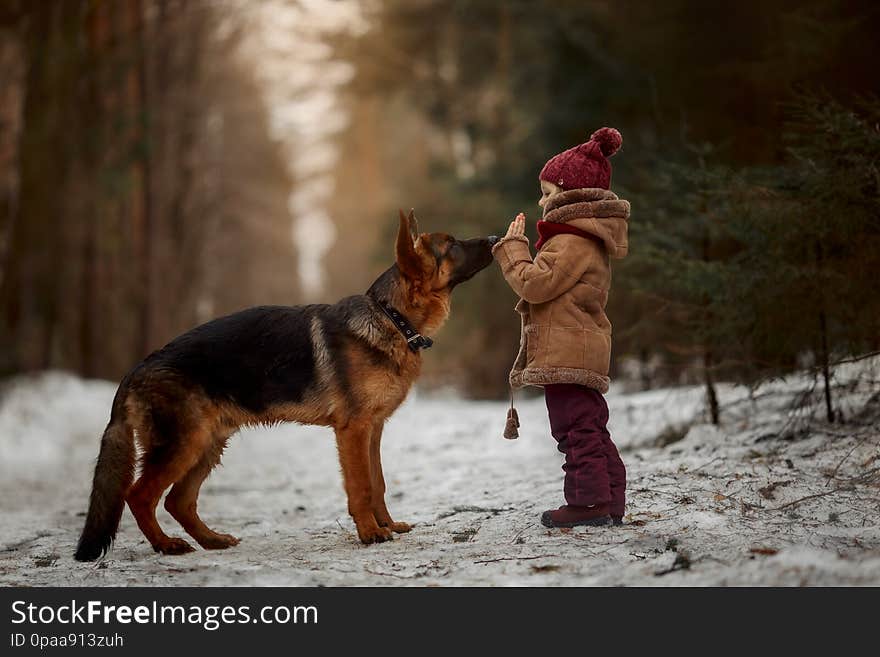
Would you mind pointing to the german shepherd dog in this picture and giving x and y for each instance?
(347, 366)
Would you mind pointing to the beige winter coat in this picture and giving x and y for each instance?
(566, 336)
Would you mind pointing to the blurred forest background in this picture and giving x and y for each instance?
(163, 162)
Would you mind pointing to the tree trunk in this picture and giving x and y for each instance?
(98, 34)
(30, 294)
(824, 355)
(826, 370)
(711, 395)
(138, 202)
(644, 368)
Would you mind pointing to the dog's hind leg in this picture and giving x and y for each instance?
(163, 466)
(182, 500)
(377, 480)
(353, 441)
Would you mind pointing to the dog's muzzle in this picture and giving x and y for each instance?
(492, 239)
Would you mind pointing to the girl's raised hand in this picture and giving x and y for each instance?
(517, 226)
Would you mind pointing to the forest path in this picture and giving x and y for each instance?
(757, 502)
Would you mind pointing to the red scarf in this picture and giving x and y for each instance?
(547, 229)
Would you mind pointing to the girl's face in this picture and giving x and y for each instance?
(548, 189)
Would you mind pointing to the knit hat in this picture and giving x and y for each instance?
(585, 165)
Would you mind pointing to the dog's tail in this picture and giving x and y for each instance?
(114, 473)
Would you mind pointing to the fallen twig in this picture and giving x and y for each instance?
(717, 458)
(470, 509)
(518, 535)
(863, 478)
(609, 548)
(347, 531)
(833, 474)
(540, 556)
(375, 572)
(659, 492)
(810, 497)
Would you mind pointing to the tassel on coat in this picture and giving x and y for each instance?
(510, 429)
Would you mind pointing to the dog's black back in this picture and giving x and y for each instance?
(256, 357)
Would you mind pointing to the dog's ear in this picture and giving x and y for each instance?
(413, 225)
(408, 261)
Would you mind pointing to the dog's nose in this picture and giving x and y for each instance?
(492, 239)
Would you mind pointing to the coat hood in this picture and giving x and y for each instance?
(595, 211)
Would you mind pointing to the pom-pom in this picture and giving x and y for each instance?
(510, 429)
(609, 140)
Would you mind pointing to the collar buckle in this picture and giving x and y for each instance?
(419, 341)
(414, 339)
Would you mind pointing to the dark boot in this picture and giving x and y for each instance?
(617, 521)
(576, 516)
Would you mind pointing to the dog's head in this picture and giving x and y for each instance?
(437, 262)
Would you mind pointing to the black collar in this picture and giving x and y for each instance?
(414, 339)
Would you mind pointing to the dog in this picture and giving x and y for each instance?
(348, 366)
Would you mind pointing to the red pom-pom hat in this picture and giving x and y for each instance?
(585, 165)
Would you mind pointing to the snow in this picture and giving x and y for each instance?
(772, 497)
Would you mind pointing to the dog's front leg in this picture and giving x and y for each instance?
(380, 511)
(353, 442)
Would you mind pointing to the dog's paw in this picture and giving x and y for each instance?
(218, 541)
(173, 546)
(399, 527)
(375, 534)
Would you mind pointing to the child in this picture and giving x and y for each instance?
(565, 345)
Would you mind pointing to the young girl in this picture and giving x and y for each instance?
(565, 345)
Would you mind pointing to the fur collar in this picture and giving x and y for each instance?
(598, 212)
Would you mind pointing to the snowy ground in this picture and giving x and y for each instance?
(763, 500)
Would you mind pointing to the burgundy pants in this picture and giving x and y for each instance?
(594, 473)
